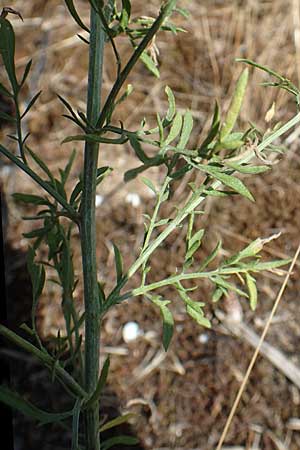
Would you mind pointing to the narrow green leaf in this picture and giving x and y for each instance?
(136, 145)
(230, 144)
(172, 105)
(168, 321)
(7, 50)
(66, 172)
(26, 72)
(41, 164)
(73, 116)
(194, 243)
(214, 129)
(218, 293)
(250, 251)
(150, 64)
(116, 422)
(187, 128)
(198, 317)
(102, 172)
(75, 424)
(217, 193)
(122, 440)
(30, 104)
(118, 263)
(30, 198)
(160, 128)
(181, 172)
(168, 326)
(133, 173)
(229, 180)
(221, 282)
(175, 129)
(270, 265)
(125, 15)
(162, 222)
(149, 184)
(246, 168)
(264, 68)
(100, 385)
(128, 91)
(6, 117)
(95, 138)
(75, 15)
(15, 401)
(251, 285)
(211, 257)
(5, 91)
(184, 12)
(235, 105)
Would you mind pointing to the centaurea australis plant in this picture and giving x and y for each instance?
(222, 157)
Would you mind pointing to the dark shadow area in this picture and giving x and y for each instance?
(32, 380)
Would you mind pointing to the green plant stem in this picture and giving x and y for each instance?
(19, 130)
(164, 13)
(152, 222)
(196, 198)
(181, 277)
(88, 233)
(46, 359)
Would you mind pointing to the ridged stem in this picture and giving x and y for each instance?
(88, 234)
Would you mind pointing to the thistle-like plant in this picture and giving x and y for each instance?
(223, 156)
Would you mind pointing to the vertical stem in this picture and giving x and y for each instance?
(88, 233)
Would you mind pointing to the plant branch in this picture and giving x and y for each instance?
(196, 198)
(46, 359)
(72, 214)
(153, 220)
(164, 13)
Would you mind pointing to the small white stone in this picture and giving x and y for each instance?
(133, 199)
(99, 200)
(131, 331)
(203, 338)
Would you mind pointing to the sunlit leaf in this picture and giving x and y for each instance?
(175, 129)
(235, 105)
(125, 15)
(116, 422)
(150, 64)
(172, 105)
(229, 180)
(149, 184)
(187, 128)
(251, 285)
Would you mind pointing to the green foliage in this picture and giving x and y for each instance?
(225, 155)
